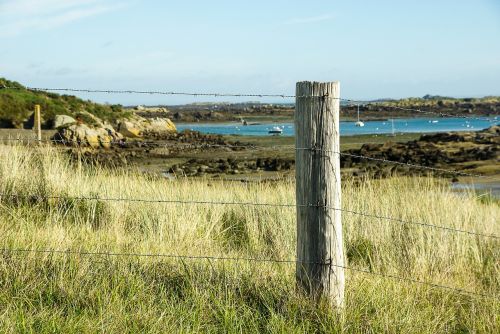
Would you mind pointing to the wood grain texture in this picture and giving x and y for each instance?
(38, 123)
(319, 228)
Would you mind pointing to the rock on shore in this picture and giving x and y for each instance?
(139, 126)
(83, 135)
(95, 133)
(440, 150)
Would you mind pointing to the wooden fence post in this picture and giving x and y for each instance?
(320, 255)
(38, 123)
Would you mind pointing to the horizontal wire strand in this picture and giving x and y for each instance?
(409, 164)
(278, 205)
(195, 94)
(440, 227)
(155, 92)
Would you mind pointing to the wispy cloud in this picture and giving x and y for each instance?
(311, 19)
(19, 16)
(107, 44)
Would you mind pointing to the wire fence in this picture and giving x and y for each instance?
(251, 146)
(317, 150)
(255, 204)
(259, 95)
(7, 251)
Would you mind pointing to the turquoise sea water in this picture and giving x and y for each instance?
(401, 125)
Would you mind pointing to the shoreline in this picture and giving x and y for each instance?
(402, 126)
(251, 156)
(272, 120)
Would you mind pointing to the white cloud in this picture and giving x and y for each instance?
(30, 7)
(311, 19)
(19, 16)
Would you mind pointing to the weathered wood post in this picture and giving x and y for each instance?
(38, 124)
(320, 255)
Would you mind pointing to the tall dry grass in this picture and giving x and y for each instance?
(46, 292)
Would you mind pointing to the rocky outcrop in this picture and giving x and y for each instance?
(130, 129)
(198, 140)
(200, 167)
(63, 120)
(150, 112)
(89, 130)
(487, 136)
(138, 126)
(83, 135)
(159, 125)
(452, 150)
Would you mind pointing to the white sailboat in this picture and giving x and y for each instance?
(359, 123)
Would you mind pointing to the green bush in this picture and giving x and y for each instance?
(16, 106)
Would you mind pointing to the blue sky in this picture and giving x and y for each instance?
(383, 48)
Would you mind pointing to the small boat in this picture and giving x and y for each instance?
(359, 123)
(276, 131)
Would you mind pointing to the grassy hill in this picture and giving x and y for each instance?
(16, 106)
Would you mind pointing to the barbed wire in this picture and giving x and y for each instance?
(275, 147)
(407, 164)
(256, 204)
(446, 228)
(246, 259)
(196, 94)
(156, 92)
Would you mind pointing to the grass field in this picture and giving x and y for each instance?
(48, 293)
